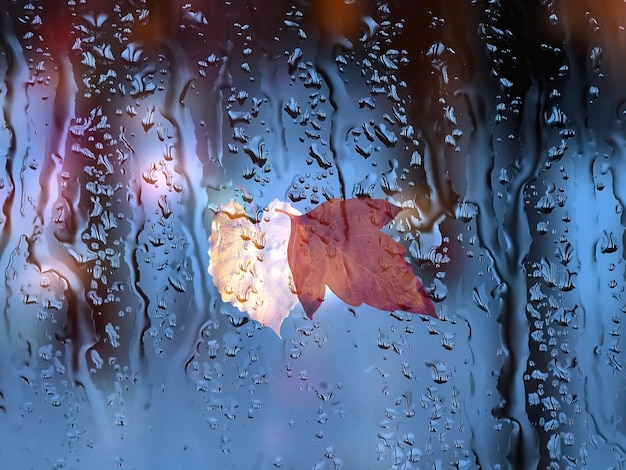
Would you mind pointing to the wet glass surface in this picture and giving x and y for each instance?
(497, 125)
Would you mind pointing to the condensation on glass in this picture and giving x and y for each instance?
(499, 127)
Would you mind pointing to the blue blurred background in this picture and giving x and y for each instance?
(498, 125)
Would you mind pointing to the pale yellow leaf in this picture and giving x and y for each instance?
(249, 261)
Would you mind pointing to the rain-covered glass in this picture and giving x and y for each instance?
(499, 126)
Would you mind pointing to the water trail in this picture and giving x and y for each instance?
(14, 106)
(188, 167)
(342, 118)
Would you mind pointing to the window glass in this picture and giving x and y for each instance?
(134, 132)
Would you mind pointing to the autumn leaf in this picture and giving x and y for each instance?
(249, 261)
(264, 268)
(339, 244)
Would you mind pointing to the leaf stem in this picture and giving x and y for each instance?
(282, 211)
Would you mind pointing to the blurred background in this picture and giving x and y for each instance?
(498, 125)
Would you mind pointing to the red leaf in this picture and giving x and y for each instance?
(338, 244)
